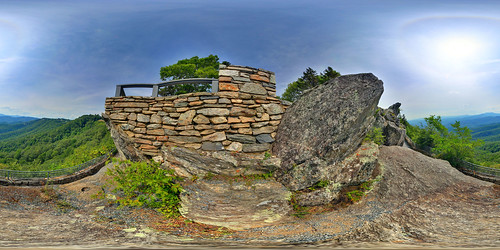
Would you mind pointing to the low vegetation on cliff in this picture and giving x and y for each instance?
(47, 144)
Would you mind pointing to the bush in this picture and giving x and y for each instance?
(146, 184)
(375, 135)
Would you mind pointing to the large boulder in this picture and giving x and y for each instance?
(322, 128)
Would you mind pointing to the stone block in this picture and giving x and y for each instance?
(218, 120)
(210, 101)
(155, 132)
(253, 148)
(259, 124)
(228, 94)
(264, 117)
(235, 146)
(247, 119)
(131, 105)
(169, 121)
(190, 132)
(180, 104)
(187, 127)
(247, 139)
(223, 86)
(217, 136)
(245, 131)
(264, 138)
(221, 126)
(253, 88)
(276, 117)
(132, 117)
(241, 79)
(226, 72)
(207, 132)
(155, 119)
(143, 141)
(184, 139)
(153, 126)
(162, 138)
(233, 120)
(143, 118)
(193, 98)
(236, 101)
(213, 111)
(240, 125)
(186, 118)
(201, 119)
(239, 111)
(224, 79)
(259, 78)
(273, 109)
(224, 101)
(170, 131)
(202, 126)
(140, 130)
(192, 145)
(264, 130)
(211, 146)
(196, 103)
(118, 116)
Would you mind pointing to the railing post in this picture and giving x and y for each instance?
(215, 86)
(155, 90)
(119, 91)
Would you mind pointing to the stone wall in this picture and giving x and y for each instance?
(242, 117)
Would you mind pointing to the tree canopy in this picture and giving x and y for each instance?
(454, 146)
(309, 79)
(194, 67)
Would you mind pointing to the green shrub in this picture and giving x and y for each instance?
(375, 135)
(355, 195)
(146, 184)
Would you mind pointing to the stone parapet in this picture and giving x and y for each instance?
(242, 117)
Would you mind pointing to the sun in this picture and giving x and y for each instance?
(458, 50)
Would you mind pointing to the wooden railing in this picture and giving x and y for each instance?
(15, 175)
(480, 172)
(120, 89)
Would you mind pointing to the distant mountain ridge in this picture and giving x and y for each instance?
(11, 119)
(469, 121)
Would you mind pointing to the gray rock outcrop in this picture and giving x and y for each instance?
(393, 130)
(325, 126)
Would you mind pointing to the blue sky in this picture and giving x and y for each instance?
(63, 58)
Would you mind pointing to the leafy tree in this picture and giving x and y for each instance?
(309, 79)
(194, 67)
(454, 146)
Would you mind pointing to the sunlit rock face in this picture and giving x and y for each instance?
(321, 129)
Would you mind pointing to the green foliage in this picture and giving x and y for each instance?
(145, 184)
(355, 195)
(308, 80)
(319, 184)
(298, 211)
(454, 146)
(375, 135)
(48, 144)
(194, 67)
(487, 154)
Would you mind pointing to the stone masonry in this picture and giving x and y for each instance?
(242, 117)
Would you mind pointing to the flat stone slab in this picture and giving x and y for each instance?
(235, 202)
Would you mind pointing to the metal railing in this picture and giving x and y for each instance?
(120, 89)
(22, 175)
(478, 169)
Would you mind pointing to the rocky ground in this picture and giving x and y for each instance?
(420, 202)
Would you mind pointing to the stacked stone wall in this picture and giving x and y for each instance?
(242, 117)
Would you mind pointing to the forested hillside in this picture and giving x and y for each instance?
(488, 154)
(53, 143)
